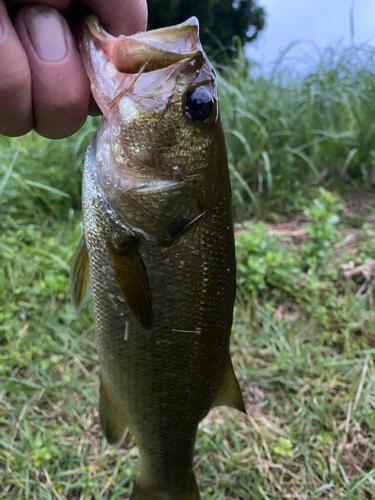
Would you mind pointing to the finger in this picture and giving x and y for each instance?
(120, 17)
(57, 4)
(15, 82)
(60, 87)
(94, 109)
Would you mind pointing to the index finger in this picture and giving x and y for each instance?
(120, 17)
(57, 4)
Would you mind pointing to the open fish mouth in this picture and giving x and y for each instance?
(143, 64)
(150, 50)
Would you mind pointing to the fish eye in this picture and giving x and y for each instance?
(198, 104)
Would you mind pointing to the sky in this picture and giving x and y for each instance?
(322, 21)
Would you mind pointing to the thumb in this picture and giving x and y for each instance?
(120, 17)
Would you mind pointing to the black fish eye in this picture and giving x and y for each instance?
(198, 104)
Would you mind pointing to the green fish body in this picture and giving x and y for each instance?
(158, 249)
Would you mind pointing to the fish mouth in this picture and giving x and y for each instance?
(143, 65)
(150, 50)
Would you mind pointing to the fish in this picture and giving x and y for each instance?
(157, 251)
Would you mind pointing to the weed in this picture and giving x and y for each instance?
(289, 132)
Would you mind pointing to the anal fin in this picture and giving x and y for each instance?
(133, 281)
(230, 393)
(79, 276)
(112, 420)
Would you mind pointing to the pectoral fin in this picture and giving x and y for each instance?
(230, 393)
(79, 276)
(133, 280)
(112, 420)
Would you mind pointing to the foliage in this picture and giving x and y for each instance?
(220, 20)
(264, 262)
(29, 188)
(275, 271)
(292, 131)
(284, 447)
(324, 211)
(268, 262)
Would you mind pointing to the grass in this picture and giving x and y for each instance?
(287, 133)
(303, 338)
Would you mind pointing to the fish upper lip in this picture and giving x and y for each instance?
(149, 50)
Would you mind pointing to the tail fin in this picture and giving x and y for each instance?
(149, 493)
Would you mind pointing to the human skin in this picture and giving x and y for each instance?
(43, 84)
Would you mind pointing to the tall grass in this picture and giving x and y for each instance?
(288, 131)
(31, 187)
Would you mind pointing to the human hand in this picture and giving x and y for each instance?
(43, 84)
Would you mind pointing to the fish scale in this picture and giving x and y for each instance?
(163, 285)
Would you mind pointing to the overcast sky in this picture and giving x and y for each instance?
(323, 21)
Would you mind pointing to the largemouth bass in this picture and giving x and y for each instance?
(158, 248)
